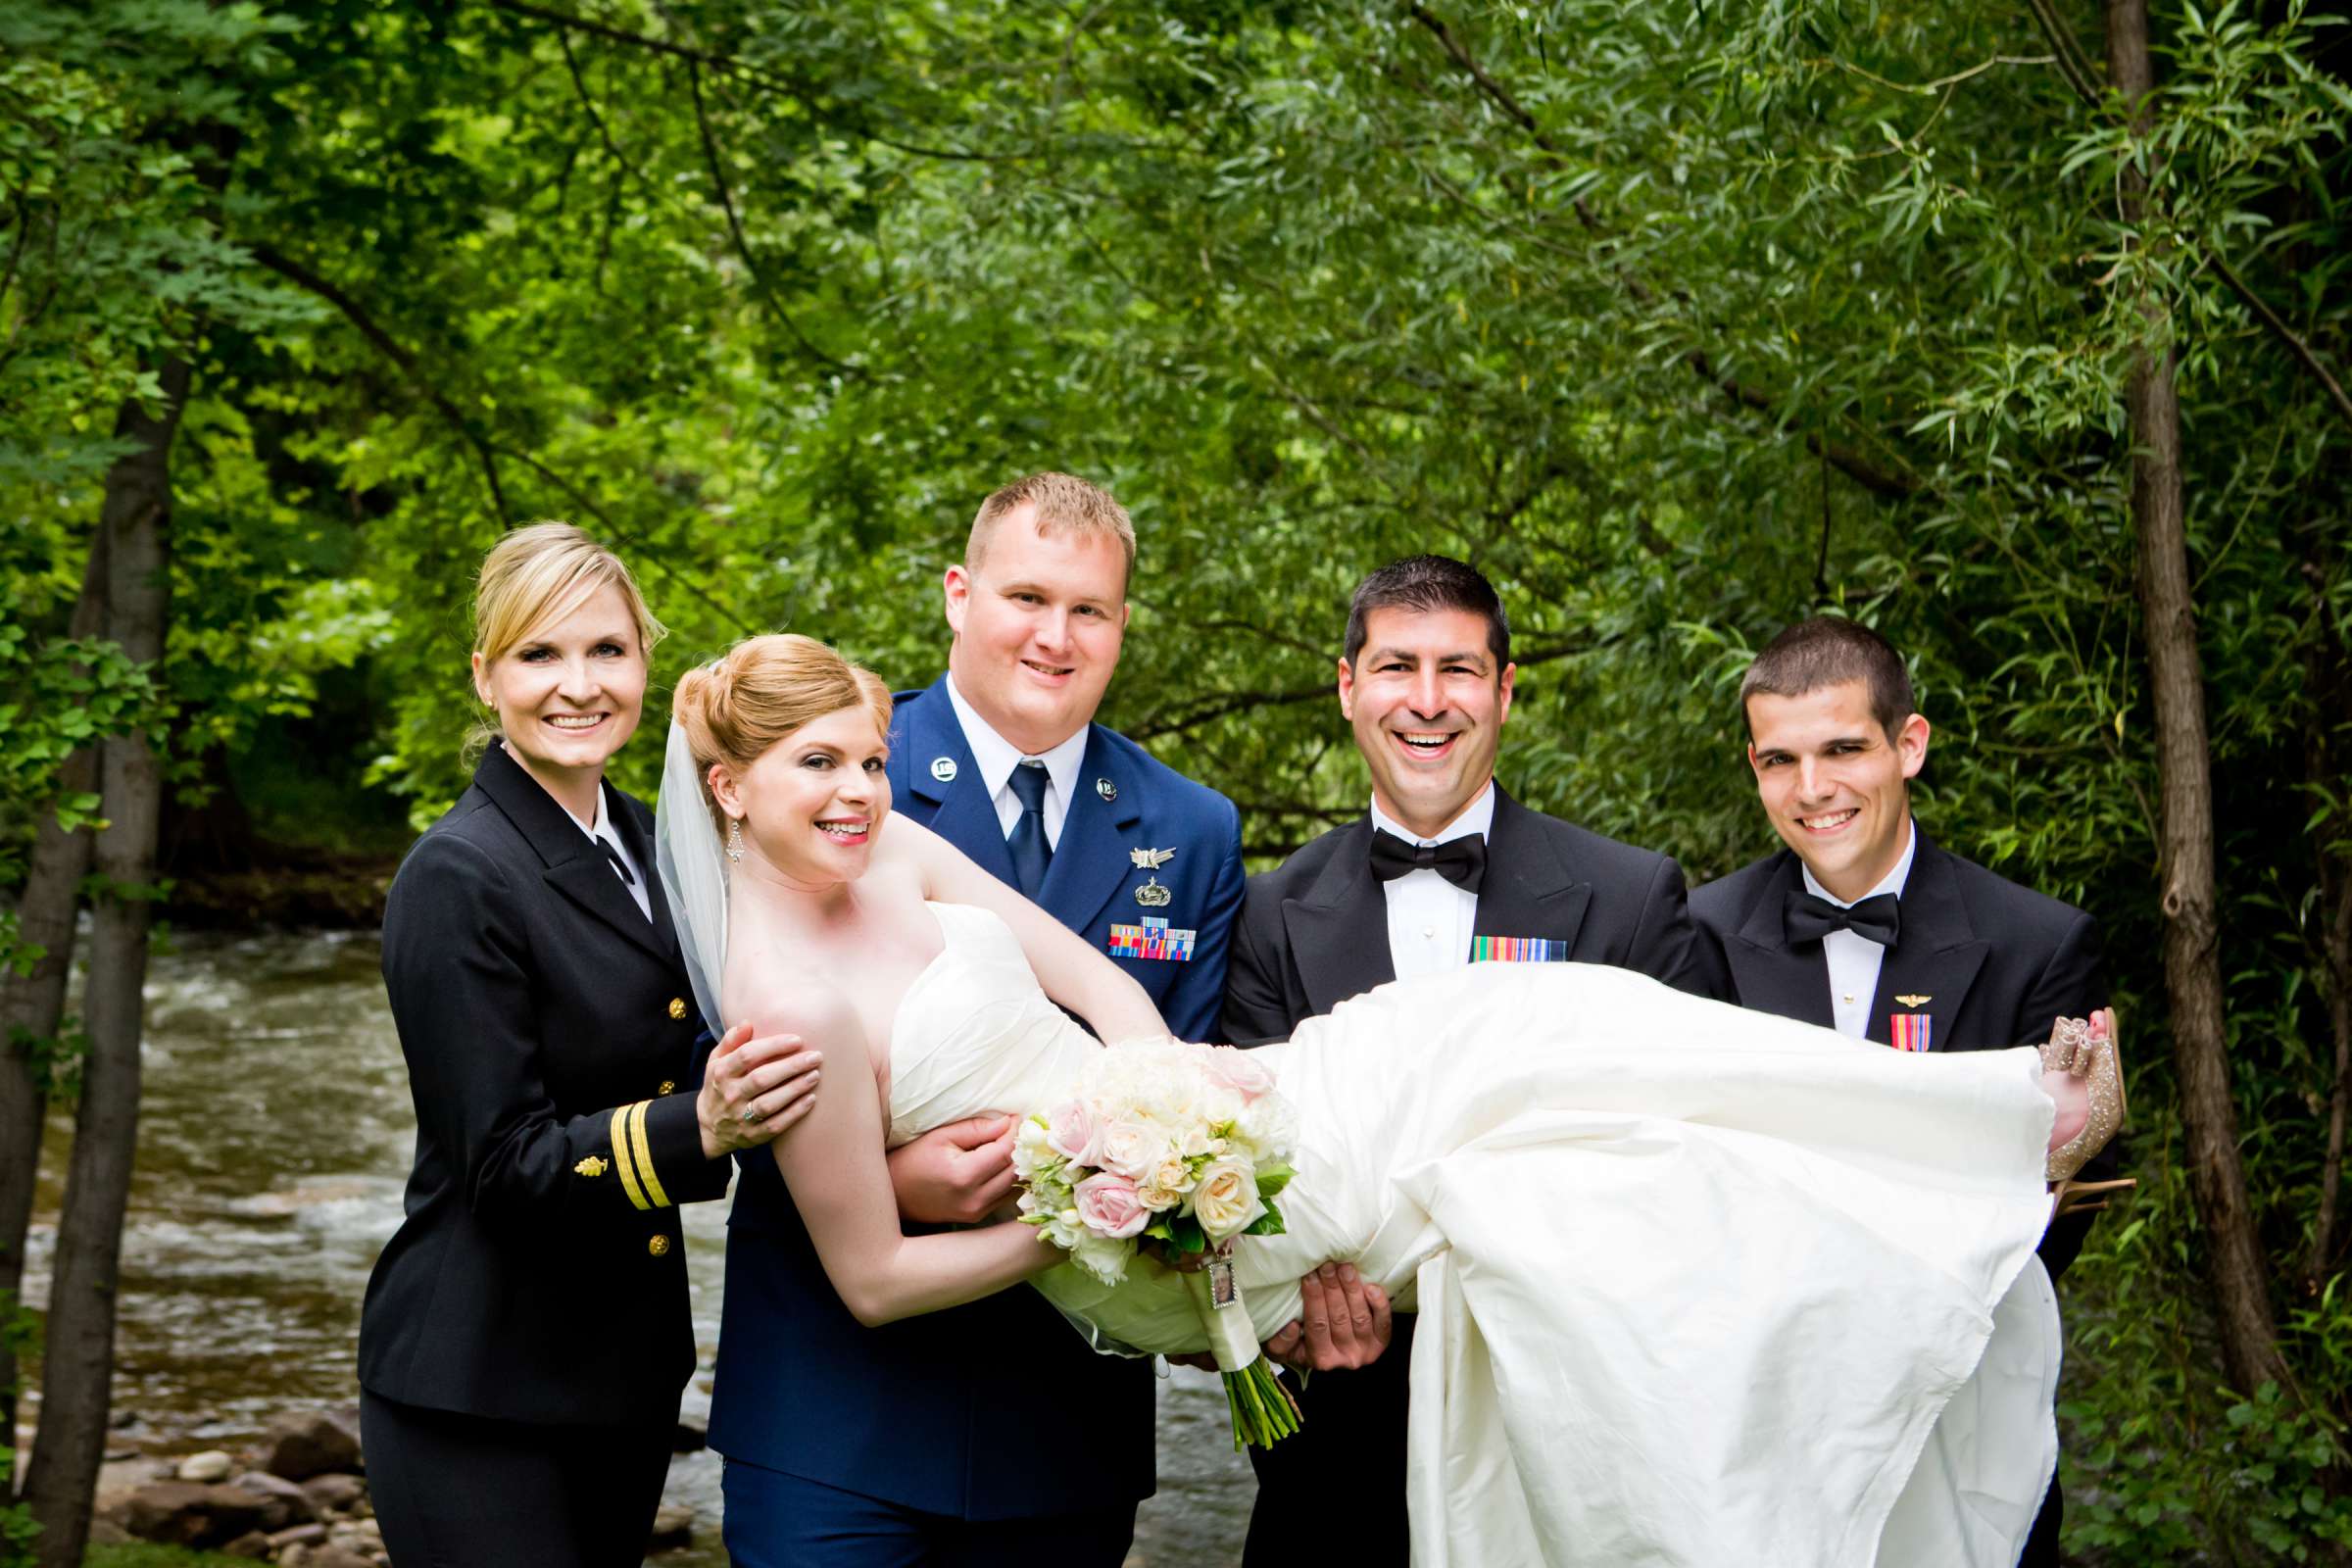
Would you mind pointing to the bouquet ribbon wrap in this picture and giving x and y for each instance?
(1231, 1338)
(1263, 1411)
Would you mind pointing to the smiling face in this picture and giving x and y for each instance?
(1038, 625)
(813, 805)
(1834, 783)
(569, 695)
(1428, 706)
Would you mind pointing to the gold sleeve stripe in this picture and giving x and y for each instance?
(621, 1156)
(644, 1157)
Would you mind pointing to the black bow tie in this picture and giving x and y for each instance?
(1810, 917)
(1462, 861)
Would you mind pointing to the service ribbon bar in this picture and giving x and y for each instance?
(1911, 1030)
(1151, 940)
(1517, 949)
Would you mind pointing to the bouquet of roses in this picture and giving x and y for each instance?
(1179, 1150)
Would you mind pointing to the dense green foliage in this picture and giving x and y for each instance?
(1678, 320)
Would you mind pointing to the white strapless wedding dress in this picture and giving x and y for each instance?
(1697, 1286)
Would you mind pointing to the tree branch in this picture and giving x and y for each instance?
(2282, 333)
(489, 451)
(2079, 76)
(1210, 709)
(806, 94)
(1846, 461)
(743, 246)
(2072, 64)
(304, 279)
(579, 86)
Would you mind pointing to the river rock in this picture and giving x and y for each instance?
(363, 1536)
(252, 1543)
(326, 1556)
(302, 1443)
(673, 1528)
(207, 1467)
(296, 1536)
(288, 1503)
(335, 1494)
(187, 1513)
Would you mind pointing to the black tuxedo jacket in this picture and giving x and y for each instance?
(539, 1273)
(1314, 931)
(1993, 964)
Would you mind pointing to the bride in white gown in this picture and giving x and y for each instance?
(1697, 1286)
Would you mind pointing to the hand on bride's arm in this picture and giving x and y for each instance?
(957, 1174)
(754, 1089)
(1342, 1323)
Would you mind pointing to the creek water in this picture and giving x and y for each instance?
(274, 1136)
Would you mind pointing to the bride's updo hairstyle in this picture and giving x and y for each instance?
(763, 689)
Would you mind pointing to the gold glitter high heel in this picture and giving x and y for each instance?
(2086, 1049)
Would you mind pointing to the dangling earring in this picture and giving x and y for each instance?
(735, 839)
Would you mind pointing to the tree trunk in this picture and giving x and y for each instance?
(77, 1357)
(35, 1004)
(2192, 963)
(2327, 763)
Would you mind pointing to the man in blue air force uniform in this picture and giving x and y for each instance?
(947, 1439)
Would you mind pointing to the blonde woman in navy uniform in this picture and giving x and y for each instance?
(526, 1333)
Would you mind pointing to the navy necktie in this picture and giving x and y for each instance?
(1809, 918)
(1031, 854)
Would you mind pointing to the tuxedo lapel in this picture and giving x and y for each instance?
(1767, 974)
(576, 866)
(956, 807)
(1338, 932)
(1936, 958)
(1529, 890)
(1091, 862)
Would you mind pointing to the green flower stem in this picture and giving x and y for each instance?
(1263, 1411)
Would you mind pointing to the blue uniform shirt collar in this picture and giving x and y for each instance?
(997, 758)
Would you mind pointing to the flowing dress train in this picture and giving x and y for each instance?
(1697, 1286)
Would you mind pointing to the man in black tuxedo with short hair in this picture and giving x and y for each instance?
(1443, 865)
(1862, 923)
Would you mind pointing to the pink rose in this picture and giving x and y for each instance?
(1072, 1132)
(1239, 1071)
(1108, 1207)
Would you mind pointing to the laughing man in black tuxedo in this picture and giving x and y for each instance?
(1862, 923)
(1443, 857)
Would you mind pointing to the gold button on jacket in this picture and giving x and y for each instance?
(677, 1006)
(668, 1085)
(659, 1246)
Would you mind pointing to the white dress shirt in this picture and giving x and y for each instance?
(1854, 960)
(997, 758)
(604, 830)
(1430, 920)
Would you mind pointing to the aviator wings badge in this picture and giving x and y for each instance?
(1915, 1002)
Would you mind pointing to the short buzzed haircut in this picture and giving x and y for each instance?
(1064, 503)
(1422, 584)
(1829, 650)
